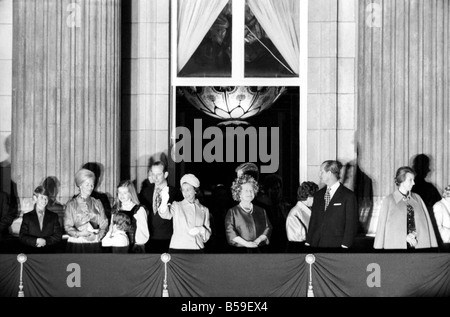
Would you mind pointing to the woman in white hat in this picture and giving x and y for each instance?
(191, 228)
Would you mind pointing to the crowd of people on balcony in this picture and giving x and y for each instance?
(249, 217)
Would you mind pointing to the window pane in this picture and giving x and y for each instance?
(212, 58)
(263, 57)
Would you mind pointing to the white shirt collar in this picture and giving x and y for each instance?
(162, 186)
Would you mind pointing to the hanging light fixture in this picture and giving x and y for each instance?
(232, 104)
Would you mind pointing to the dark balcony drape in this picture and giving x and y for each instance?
(229, 275)
(400, 275)
(222, 275)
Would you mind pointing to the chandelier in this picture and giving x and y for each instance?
(232, 104)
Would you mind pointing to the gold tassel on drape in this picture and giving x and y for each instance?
(165, 257)
(310, 259)
(21, 258)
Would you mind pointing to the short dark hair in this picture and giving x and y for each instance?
(159, 163)
(334, 167)
(400, 175)
(41, 190)
(306, 189)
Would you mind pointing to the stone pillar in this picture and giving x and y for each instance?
(322, 85)
(66, 92)
(5, 95)
(145, 87)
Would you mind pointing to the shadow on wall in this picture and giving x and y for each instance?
(421, 164)
(362, 186)
(7, 185)
(53, 186)
(430, 195)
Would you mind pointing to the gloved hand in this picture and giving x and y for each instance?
(165, 196)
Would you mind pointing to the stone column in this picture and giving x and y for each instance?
(145, 87)
(66, 92)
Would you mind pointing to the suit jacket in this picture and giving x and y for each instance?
(160, 229)
(30, 230)
(338, 224)
(7, 214)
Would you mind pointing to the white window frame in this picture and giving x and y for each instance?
(237, 76)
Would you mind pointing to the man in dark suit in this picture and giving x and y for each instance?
(7, 215)
(150, 196)
(334, 214)
(41, 230)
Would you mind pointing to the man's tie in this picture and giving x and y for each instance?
(157, 200)
(327, 197)
(410, 221)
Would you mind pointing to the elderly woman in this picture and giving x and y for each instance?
(191, 227)
(84, 218)
(404, 222)
(247, 226)
(442, 214)
(297, 221)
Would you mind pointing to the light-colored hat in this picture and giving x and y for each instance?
(191, 180)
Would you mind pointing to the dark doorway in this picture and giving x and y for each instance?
(284, 115)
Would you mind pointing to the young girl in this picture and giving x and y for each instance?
(127, 203)
(117, 237)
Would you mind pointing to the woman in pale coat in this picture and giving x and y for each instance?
(404, 222)
(442, 214)
(191, 226)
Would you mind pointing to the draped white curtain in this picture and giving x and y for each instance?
(195, 18)
(280, 20)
